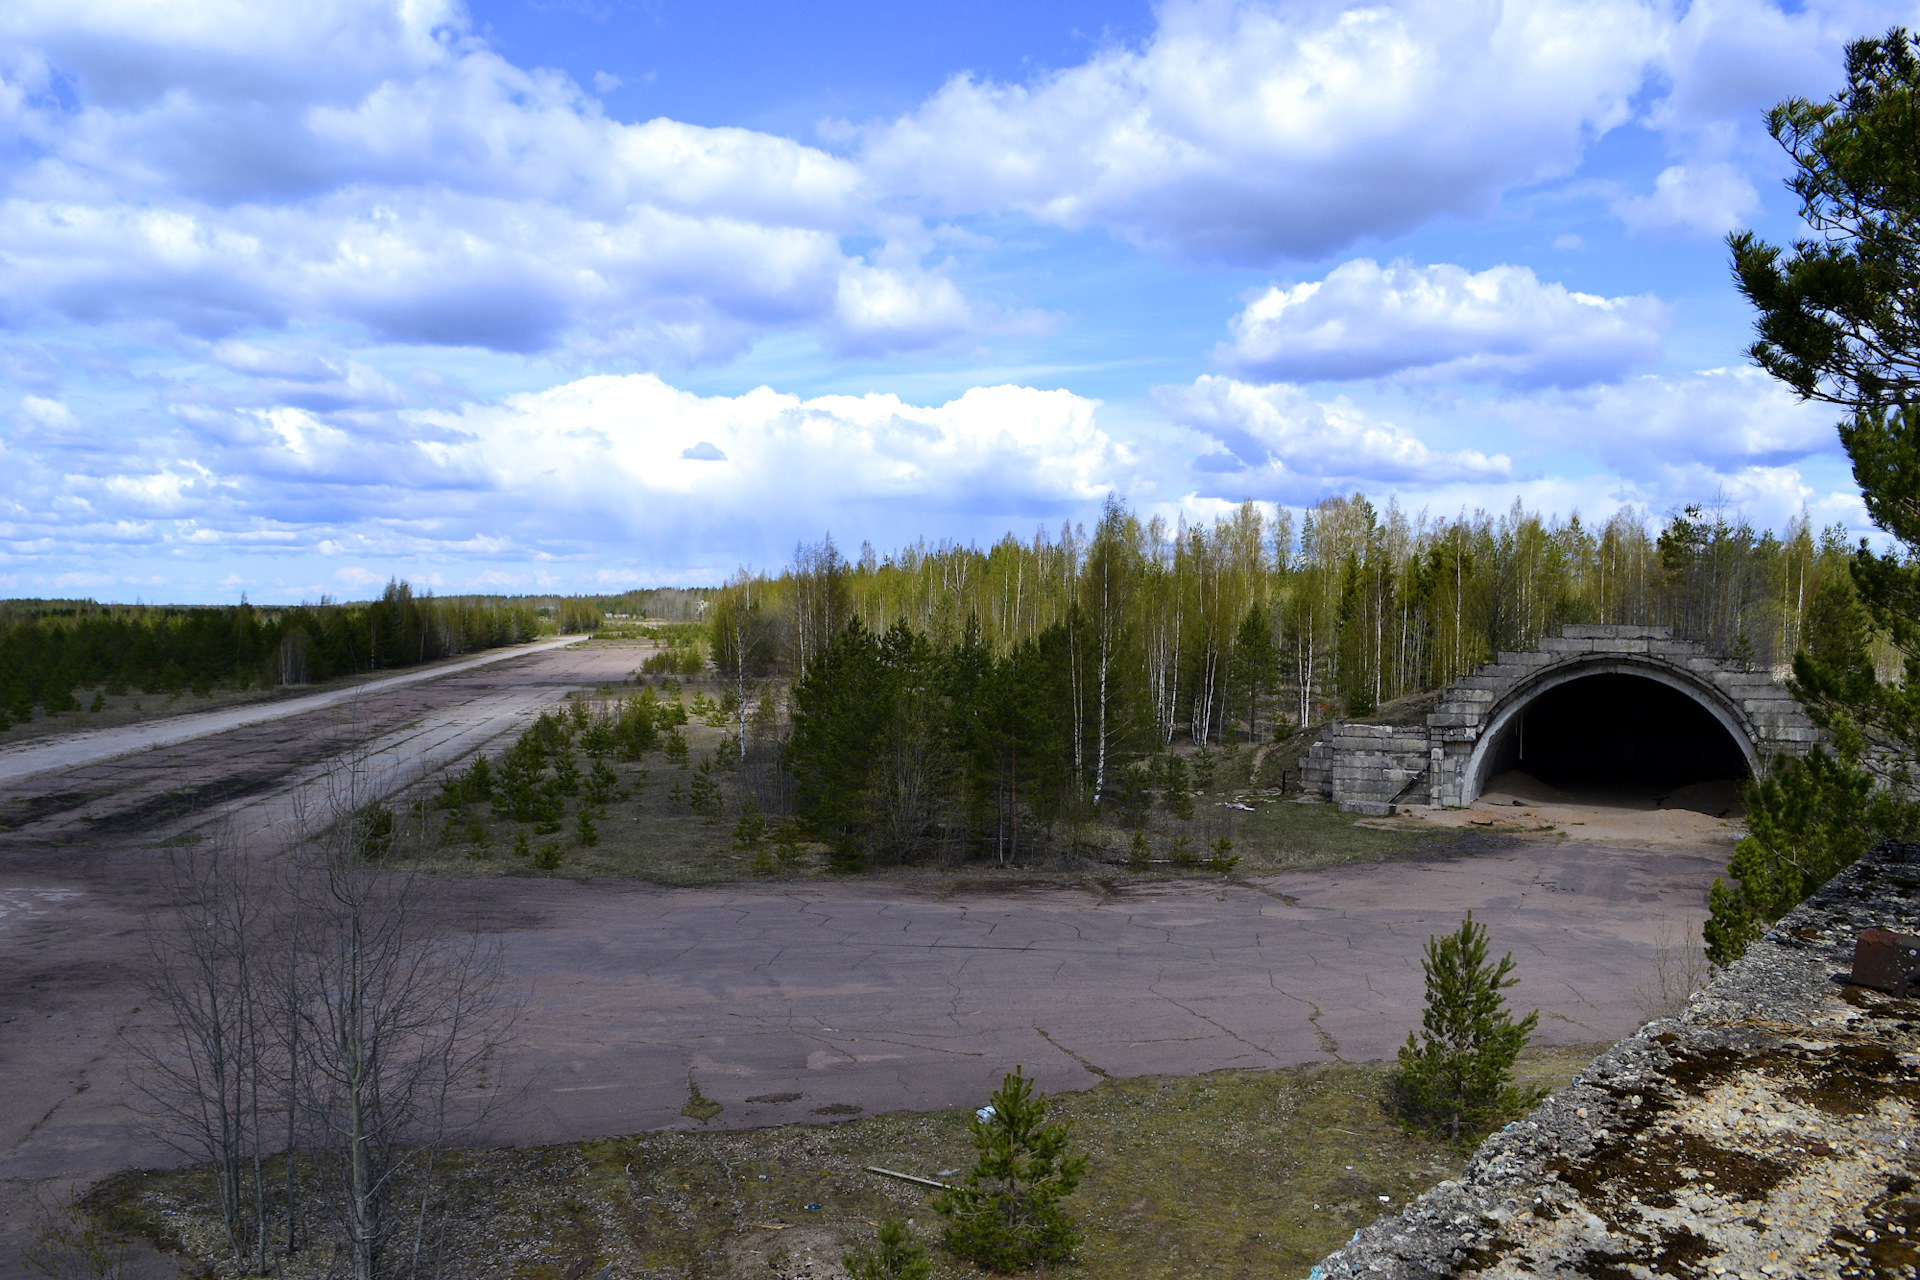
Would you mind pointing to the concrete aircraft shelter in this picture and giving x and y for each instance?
(1600, 705)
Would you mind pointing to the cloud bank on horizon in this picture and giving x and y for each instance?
(300, 296)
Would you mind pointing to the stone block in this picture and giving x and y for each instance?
(1886, 961)
(1612, 631)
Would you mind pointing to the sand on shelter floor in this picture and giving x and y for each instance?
(1699, 814)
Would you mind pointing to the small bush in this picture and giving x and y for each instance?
(1139, 854)
(751, 830)
(1176, 789)
(548, 856)
(786, 846)
(602, 783)
(704, 797)
(585, 831)
(1181, 851)
(372, 831)
(898, 1256)
(1006, 1216)
(474, 785)
(1224, 859)
(1458, 1077)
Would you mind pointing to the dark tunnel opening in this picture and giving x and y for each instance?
(1617, 733)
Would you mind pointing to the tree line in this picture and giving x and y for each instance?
(957, 695)
(1359, 605)
(48, 649)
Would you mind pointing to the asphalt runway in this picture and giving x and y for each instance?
(857, 993)
(848, 995)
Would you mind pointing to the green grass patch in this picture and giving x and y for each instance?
(1230, 1174)
(673, 825)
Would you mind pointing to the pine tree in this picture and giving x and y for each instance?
(1006, 1216)
(1458, 1076)
(1805, 821)
(1255, 660)
(898, 1257)
(751, 830)
(1837, 323)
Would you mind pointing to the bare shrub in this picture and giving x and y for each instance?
(69, 1244)
(323, 999)
(1680, 968)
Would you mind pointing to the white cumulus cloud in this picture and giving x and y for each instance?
(1502, 324)
(1250, 130)
(1277, 442)
(224, 166)
(1725, 419)
(1706, 200)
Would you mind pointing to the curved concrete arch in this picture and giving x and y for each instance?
(1518, 700)
(1371, 767)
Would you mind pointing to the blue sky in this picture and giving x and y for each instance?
(588, 294)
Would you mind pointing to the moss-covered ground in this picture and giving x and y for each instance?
(1235, 1173)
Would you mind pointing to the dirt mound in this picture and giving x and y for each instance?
(1517, 784)
(1720, 798)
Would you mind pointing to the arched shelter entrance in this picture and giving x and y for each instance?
(1592, 704)
(1611, 723)
(1628, 704)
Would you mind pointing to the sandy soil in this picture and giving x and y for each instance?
(875, 996)
(1704, 815)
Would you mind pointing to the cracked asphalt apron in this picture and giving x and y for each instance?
(858, 992)
(854, 994)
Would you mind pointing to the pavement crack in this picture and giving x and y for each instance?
(1220, 1027)
(1090, 1067)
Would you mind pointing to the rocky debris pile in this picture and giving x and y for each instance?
(1770, 1130)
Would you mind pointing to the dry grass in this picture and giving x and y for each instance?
(1236, 1173)
(652, 834)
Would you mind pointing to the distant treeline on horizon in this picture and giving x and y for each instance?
(1362, 606)
(51, 648)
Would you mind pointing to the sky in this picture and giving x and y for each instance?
(585, 295)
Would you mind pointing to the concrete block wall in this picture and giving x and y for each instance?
(1363, 768)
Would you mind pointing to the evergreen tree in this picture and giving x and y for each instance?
(837, 718)
(1255, 659)
(1840, 322)
(1806, 821)
(1458, 1076)
(1006, 1216)
(899, 1256)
